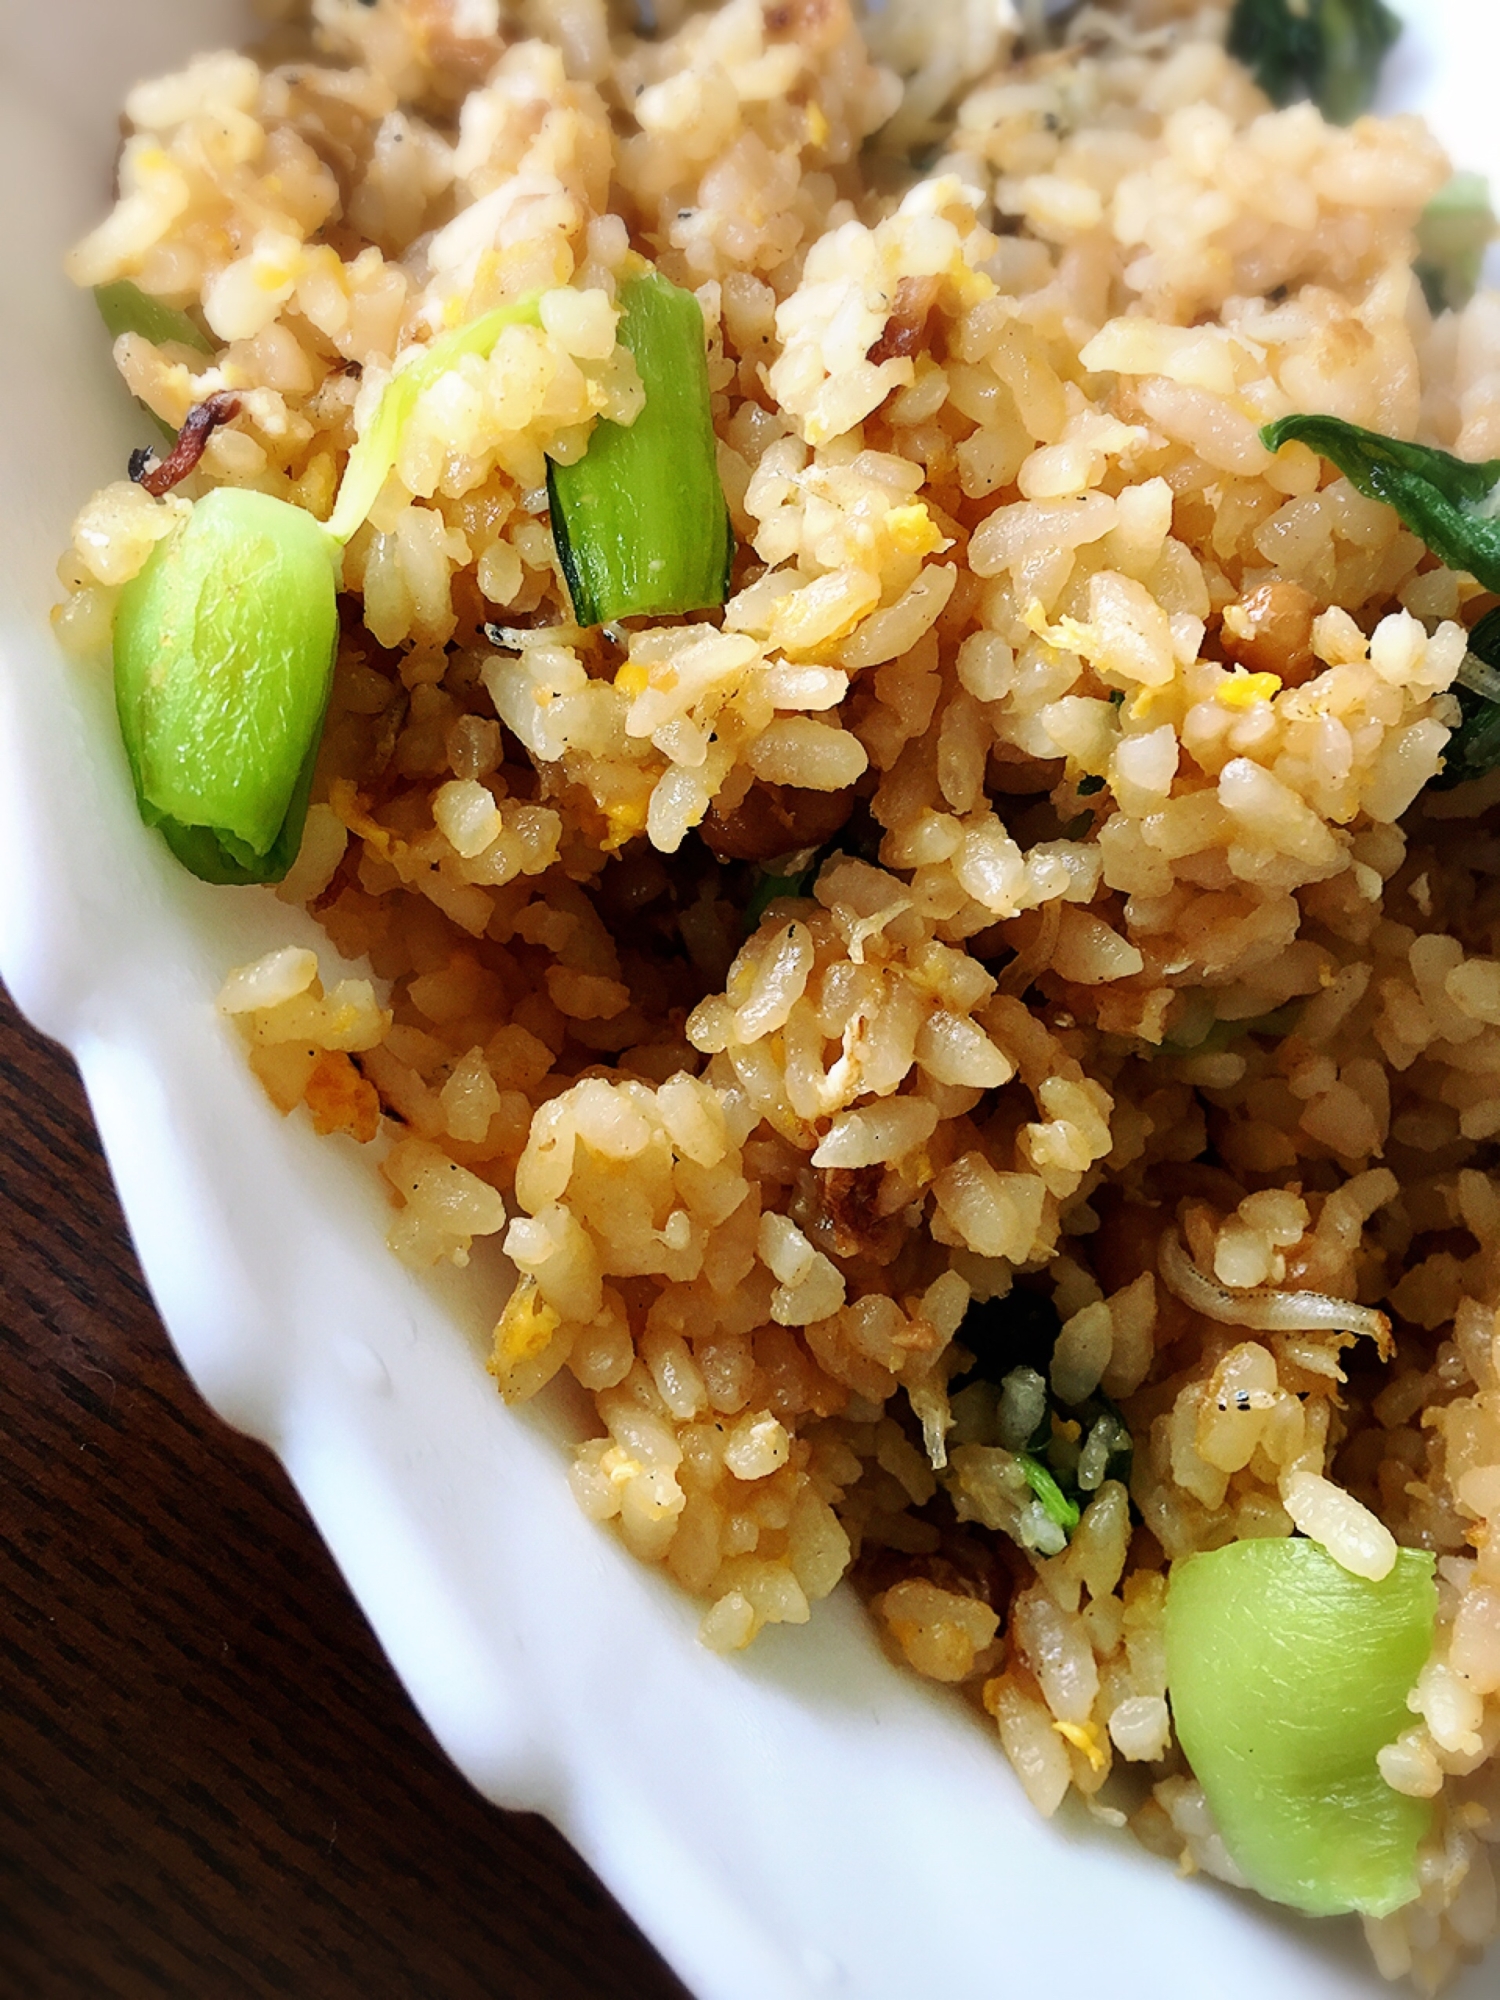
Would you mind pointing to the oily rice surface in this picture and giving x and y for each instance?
(1126, 969)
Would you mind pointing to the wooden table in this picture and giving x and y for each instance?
(211, 1784)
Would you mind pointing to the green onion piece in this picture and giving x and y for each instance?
(224, 648)
(1287, 1676)
(125, 308)
(1455, 229)
(1328, 50)
(373, 456)
(1055, 1503)
(640, 521)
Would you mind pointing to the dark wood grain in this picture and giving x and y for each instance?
(211, 1785)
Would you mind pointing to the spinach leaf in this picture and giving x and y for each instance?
(1455, 507)
(1455, 229)
(1328, 50)
(1450, 502)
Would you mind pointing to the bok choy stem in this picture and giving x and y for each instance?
(640, 521)
(224, 644)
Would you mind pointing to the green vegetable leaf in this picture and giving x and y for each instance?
(1455, 229)
(222, 859)
(1055, 1503)
(1450, 502)
(1221, 1035)
(125, 308)
(640, 521)
(1287, 1675)
(1474, 747)
(1328, 50)
(769, 888)
(373, 456)
(224, 649)
(1454, 505)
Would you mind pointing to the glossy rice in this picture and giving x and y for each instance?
(1120, 966)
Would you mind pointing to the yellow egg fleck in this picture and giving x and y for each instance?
(1242, 690)
(817, 125)
(1069, 635)
(1085, 1738)
(1140, 705)
(912, 530)
(626, 819)
(525, 1327)
(972, 286)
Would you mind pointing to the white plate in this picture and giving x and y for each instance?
(802, 1821)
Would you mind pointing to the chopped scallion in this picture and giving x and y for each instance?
(125, 308)
(373, 456)
(1055, 1503)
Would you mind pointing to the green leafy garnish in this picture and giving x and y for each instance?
(1449, 502)
(125, 308)
(373, 456)
(1287, 1675)
(769, 888)
(640, 521)
(1222, 1035)
(1066, 1450)
(1455, 229)
(224, 643)
(1328, 50)
(1055, 1503)
(224, 649)
(1454, 506)
(1474, 747)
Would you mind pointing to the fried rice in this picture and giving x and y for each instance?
(1023, 898)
